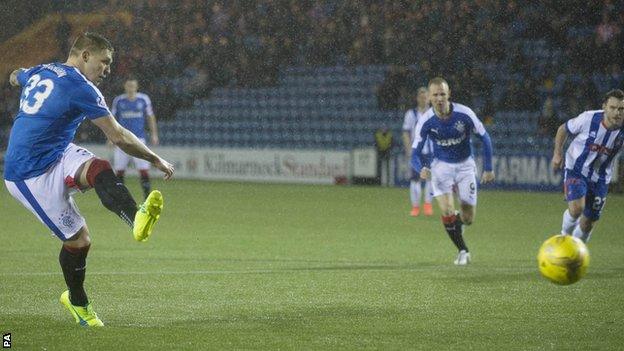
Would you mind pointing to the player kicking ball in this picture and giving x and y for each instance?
(597, 138)
(43, 168)
(449, 126)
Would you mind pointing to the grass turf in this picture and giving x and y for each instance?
(257, 266)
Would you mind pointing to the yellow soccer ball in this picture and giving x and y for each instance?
(563, 259)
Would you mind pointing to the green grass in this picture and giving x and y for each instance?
(289, 267)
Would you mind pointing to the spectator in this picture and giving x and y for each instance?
(548, 121)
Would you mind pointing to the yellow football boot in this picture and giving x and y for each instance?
(147, 215)
(85, 316)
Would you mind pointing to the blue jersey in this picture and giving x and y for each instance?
(450, 136)
(55, 99)
(131, 114)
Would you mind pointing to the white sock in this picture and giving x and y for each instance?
(578, 233)
(415, 191)
(428, 192)
(568, 223)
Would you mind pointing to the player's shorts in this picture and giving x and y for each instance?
(426, 162)
(49, 196)
(445, 175)
(576, 186)
(122, 159)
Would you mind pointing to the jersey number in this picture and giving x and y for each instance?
(598, 203)
(38, 95)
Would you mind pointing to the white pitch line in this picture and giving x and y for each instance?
(287, 270)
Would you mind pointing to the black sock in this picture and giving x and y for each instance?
(115, 196)
(74, 265)
(453, 226)
(145, 184)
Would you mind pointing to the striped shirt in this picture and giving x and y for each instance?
(594, 147)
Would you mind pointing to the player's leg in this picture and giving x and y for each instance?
(143, 167)
(48, 197)
(415, 189)
(98, 174)
(73, 260)
(466, 181)
(584, 228)
(442, 182)
(120, 163)
(427, 206)
(114, 195)
(572, 215)
(595, 201)
(575, 190)
(466, 186)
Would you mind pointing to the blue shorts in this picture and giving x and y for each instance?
(577, 186)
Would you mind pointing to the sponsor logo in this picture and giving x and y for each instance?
(600, 149)
(451, 142)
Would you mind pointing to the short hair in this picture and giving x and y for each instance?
(437, 81)
(421, 90)
(615, 93)
(90, 41)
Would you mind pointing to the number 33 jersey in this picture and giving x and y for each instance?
(55, 99)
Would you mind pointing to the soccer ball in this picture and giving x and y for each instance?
(563, 259)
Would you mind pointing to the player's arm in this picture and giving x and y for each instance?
(14, 77)
(408, 123)
(560, 139)
(151, 119)
(130, 144)
(416, 162)
(488, 150)
(572, 127)
(420, 138)
(407, 143)
(151, 122)
(478, 128)
(114, 108)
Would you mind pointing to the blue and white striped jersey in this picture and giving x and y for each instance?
(594, 147)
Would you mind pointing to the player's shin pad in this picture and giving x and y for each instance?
(115, 196)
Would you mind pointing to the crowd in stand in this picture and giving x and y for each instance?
(180, 50)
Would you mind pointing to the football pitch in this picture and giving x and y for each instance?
(293, 267)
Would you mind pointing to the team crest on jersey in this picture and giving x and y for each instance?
(592, 134)
(101, 102)
(460, 126)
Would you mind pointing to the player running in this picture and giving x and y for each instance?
(132, 109)
(449, 126)
(409, 124)
(597, 138)
(43, 168)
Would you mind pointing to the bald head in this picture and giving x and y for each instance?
(439, 96)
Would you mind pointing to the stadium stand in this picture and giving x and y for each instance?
(326, 74)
